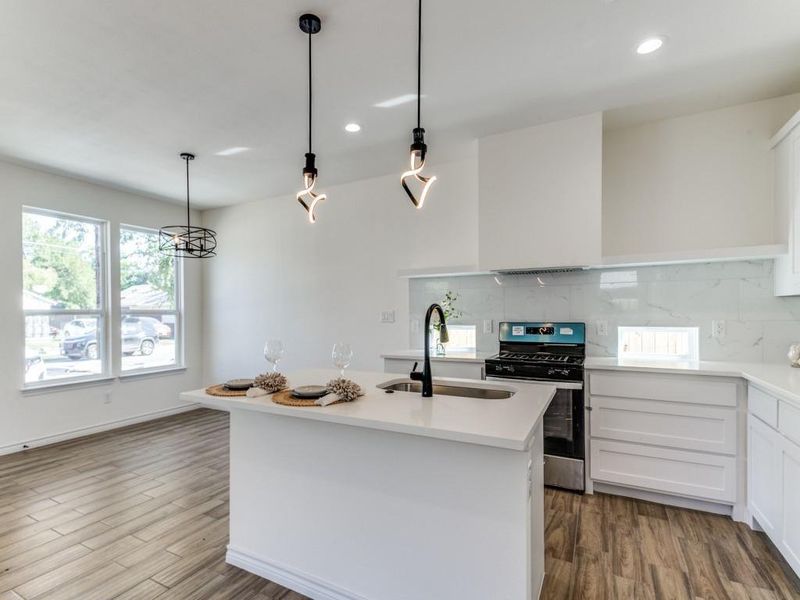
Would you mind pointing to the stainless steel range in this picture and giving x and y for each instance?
(551, 353)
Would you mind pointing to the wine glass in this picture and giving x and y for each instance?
(273, 352)
(342, 355)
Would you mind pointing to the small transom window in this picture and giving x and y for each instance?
(671, 343)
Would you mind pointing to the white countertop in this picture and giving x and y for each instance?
(507, 423)
(419, 354)
(779, 379)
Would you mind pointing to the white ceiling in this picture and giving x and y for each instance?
(113, 90)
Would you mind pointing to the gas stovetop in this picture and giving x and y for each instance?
(539, 357)
(540, 351)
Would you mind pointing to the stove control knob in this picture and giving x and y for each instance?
(509, 368)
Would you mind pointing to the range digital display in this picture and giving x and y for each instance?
(540, 330)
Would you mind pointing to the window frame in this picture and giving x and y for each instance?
(177, 312)
(102, 312)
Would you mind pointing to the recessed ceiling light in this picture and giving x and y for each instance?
(649, 45)
(396, 101)
(352, 128)
(232, 151)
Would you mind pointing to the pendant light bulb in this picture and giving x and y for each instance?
(418, 147)
(416, 164)
(307, 197)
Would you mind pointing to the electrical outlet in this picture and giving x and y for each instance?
(488, 326)
(718, 329)
(387, 316)
(602, 328)
(107, 398)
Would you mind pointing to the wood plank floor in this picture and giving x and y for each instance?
(142, 513)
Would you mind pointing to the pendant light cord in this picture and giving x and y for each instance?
(188, 209)
(419, 64)
(309, 93)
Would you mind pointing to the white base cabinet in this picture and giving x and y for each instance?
(773, 471)
(670, 434)
(440, 368)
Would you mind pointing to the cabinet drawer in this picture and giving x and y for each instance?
(704, 476)
(668, 388)
(671, 424)
(789, 421)
(762, 405)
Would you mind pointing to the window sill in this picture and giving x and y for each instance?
(60, 386)
(56, 386)
(154, 372)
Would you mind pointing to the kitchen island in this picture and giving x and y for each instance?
(391, 496)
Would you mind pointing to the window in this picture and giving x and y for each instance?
(64, 297)
(150, 335)
(462, 338)
(676, 343)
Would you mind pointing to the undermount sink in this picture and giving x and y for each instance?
(447, 389)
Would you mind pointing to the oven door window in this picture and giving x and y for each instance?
(562, 434)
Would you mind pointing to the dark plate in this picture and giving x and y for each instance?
(310, 391)
(238, 384)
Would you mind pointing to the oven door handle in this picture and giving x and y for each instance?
(560, 385)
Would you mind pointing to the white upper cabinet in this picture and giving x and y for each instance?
(787, 206)
(540, 196)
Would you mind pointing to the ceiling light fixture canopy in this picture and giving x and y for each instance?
(187, 241)
(310, 24)
(418, 147)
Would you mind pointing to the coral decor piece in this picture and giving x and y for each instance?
(271, 382)
(345, 389)
(794, 355)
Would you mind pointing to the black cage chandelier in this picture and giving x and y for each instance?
(187, 241)
(307, 197)
(418, 147)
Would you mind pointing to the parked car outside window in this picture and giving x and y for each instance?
(138, 335)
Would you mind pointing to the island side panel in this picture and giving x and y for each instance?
(335, 511)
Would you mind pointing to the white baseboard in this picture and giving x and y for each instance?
(668, 499)
(76, 433)
(293, 579)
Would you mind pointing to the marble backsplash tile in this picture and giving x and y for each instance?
(759, 326)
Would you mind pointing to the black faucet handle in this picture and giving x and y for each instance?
(415, 375)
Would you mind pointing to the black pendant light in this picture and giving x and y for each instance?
(418, 147)
(310, 24)
(187, 241)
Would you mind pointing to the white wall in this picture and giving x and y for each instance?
(696, 182)
(312, 285)
(35, 415)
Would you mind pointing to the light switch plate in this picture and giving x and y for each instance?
(602, 328)
(718, 329)
(488, 326)
(414, 325)
(387, 316)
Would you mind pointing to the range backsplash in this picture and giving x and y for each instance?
(760, 327)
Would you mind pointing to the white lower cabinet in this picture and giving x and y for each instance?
(668, 434)
(773, 472)
(678, 472)
(789, 544)
(763, 478)
(440, 368)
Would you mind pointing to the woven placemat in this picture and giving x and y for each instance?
(221, 390)
(285, 397)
